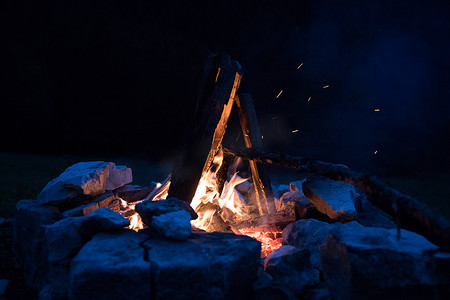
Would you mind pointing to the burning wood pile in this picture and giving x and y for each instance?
(206, 232)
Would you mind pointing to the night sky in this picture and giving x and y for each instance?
(119, 78)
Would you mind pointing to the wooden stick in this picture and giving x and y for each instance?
(221, 175)
(412, 214)
(221, 79)
(252, 139)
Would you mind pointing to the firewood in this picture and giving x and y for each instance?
(221, 79)
(252, 139)
(410, 213)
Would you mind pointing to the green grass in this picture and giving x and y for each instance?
(23, 176)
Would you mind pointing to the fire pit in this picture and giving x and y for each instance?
(207, 232)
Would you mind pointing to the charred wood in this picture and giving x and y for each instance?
(221, 79)
(252, 139)
(410, 213)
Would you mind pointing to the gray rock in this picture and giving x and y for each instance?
(207, 266)
(147, 209)
(104, 219)
(265, 288)
(175, 225)
(319, 294)
(302, 207)
(371, 216)
(291, 267)
(66, 237)
(3, 285)
(310, 234)
(133, 193)
(118, 177)
(330, 197)
(108, 200)
(29, 245)
(296, 185)
(279, 189)
(368, 262)
(295, 198)
(86, 178)
(102, 270)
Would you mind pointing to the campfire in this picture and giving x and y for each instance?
(223, 200)
(203, 231)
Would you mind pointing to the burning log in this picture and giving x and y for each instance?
(252, 138)
(409, 213)
(221, 79)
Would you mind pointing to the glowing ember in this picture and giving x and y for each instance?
(295, 131)
(269, 236)
(376, 109)
(326, 86)
(309, 99)
(279, 94)
(300, 66)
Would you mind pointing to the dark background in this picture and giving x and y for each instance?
(119, 78)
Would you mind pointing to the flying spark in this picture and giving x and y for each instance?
(294, 131)
(217, 75)
(375, 153)
(279, 94)
(309, 99)
(376, 109)
(327, 86)
(300, 66)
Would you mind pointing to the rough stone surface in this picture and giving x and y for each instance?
(265, 288)
(102, 270)
(291, 266)
(296, 185)
(104, 219)
(133, 193)
(148, 209)
(108, 200)
(68, 235)
(319, 294)
(207, 266)
(30, 248)
(330, 197)
(65, 238)
(87, 178)
(118, 177)
(279, 189)
(310, 234)
(175, 225)
(294, 198)
(367, 262)
(369, 215)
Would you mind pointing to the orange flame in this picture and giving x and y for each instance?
(229, 205)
